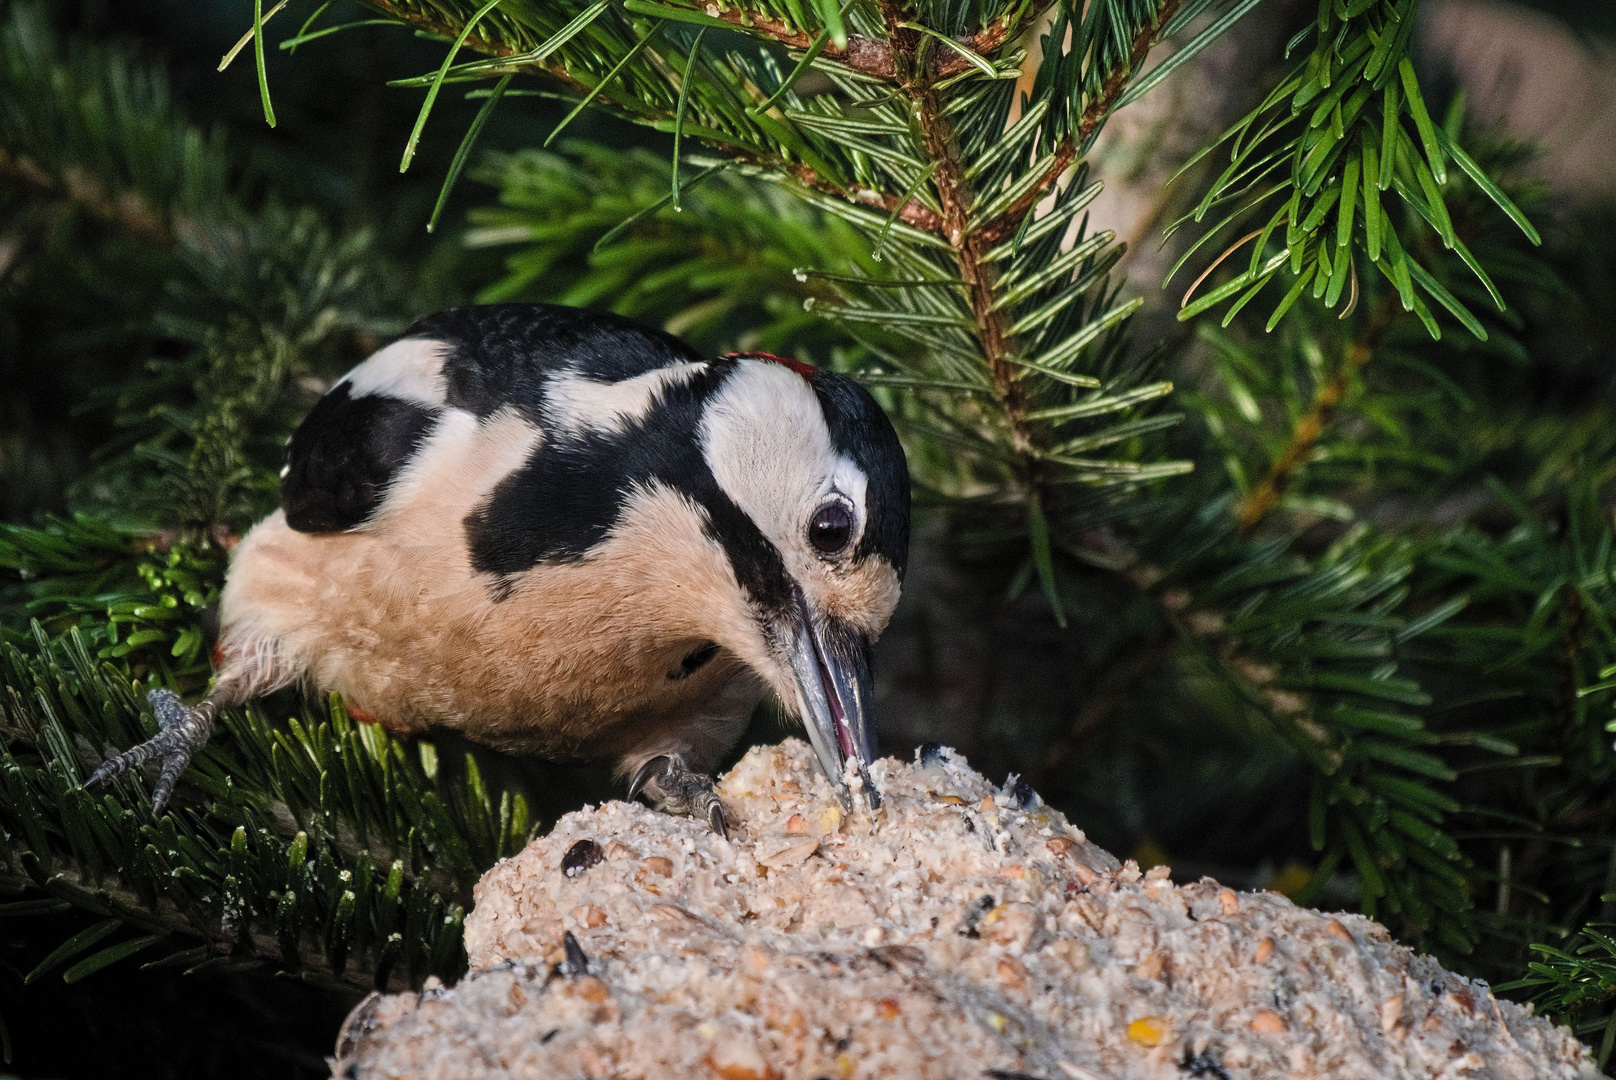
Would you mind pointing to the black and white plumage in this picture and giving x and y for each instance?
(558, 532)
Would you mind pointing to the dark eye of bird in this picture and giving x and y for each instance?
(830, 529)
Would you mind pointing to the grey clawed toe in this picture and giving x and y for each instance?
(182, 731)
(673, 787)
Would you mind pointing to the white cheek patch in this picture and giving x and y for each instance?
(411, 370)
(764, 437)
(576, 404)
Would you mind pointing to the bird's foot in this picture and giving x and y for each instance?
(183, 731)
(673, 787)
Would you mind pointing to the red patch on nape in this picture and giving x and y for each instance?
(218, 657)
(807, 371)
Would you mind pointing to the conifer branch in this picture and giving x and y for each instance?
(127, 209)
(1308, 429)
(92, 130)
(991, 326)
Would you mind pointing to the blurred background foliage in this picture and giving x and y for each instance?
(1364, 653)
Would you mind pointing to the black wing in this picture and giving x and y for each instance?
(495, 356)
(344, 455)
(501, 355)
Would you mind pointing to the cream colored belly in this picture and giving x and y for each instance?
(575, 660)
(562, 658)
(420, 642)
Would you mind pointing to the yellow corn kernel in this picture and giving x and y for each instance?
(1150, 1030)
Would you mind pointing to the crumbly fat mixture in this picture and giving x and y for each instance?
(956, 932)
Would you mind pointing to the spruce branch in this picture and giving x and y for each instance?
(518, 52)
(1308, 428)
(1319, 143)
(1576, 984)
(724, 271)
(315, 844)
(1478, 612)
(87, 127)
(991, 325)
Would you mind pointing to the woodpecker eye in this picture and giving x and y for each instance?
(830, 529)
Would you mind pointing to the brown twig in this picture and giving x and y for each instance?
(954, 195)
(127, 209)
(868, 56)
(1088, 125)
(1310, 428)
(992, 329)
(1100, 107)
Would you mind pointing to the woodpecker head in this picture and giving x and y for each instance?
(813, 463)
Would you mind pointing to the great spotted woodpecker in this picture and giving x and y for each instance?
(560, 533)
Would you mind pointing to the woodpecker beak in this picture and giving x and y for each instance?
(831, 663)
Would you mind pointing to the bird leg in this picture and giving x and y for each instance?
(182, 731)
(672, 786)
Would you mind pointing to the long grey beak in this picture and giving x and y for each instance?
(832, 666)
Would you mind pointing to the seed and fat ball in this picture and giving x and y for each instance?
(895, 945)
(558, 532)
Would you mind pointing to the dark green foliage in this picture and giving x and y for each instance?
(1569, 985)
(1332, 139)
(88, 126)
(721, 272)
(228, 307)
(133, 601)
(314, 841)
(1336, 580)
(96, 169)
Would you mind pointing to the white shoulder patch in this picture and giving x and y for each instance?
(576, 404)
(456, 466)
(411, 370)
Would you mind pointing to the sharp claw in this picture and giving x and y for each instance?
(103, 772)
(645, 773)
(173, 765)
(680, 791)
(577, 959)
(116, 766)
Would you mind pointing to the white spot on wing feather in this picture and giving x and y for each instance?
(411, 370)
